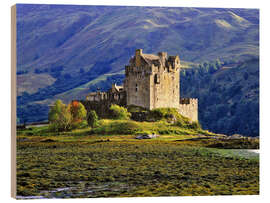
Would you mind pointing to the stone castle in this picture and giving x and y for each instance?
(151, 81)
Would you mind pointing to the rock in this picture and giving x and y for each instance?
(23, 139)
(236, 136)
(48, 140)
(147, 136)
(222, 135)
(171, 119)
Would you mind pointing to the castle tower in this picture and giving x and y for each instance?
(153, 81)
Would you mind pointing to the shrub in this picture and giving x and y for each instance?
(116, 127)
(133, 108)
(92, 119)
(168, 114)
(119, 112)
(59, 116)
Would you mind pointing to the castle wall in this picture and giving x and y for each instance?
(102, 107)
(137, 87)
(166, 92)
(188, 107)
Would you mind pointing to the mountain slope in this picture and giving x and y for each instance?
(228, 97)
(77, 37)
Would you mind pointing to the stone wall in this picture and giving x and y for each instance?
(137, 86)
(188, 107)
(165, 92)
(102, 107)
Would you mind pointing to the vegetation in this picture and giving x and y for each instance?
(76, 164)
(119, 112)
(59, 117)
(225, 95)
(92, 119)
(63, 118)
(171, 115)
(78, 113)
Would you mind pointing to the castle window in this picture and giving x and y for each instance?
(136, 89)
(157, 79)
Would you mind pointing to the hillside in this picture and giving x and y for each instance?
(228, 97)
(72, 50)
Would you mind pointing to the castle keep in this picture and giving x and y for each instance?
(151, 81)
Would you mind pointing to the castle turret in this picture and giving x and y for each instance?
(138, 55)
(163, 57)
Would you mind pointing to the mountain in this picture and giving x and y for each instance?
(66, 51)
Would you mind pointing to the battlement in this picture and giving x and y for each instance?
(153, 63)
(96, 96)
(115, 94)
(188, 107)
(192, 101)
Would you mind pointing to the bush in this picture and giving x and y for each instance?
(92, 119)
(167, 114)
(119, 112)
(133, 108)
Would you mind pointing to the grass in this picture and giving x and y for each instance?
(124, 127)
(84, 163)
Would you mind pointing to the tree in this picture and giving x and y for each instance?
(92, 119)
(59, 116)
(78, 112)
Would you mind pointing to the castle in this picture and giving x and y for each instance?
(151, 81)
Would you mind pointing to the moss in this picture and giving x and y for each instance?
(91, 166)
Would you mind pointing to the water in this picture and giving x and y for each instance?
(67, 192)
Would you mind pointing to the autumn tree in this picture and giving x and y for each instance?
(78, 112)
